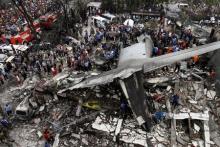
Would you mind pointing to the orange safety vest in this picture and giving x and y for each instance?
(169, 50)
(196, 59)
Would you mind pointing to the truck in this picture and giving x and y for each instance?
(47, 20)
(23, 37)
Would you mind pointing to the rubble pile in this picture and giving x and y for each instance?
(197, 108)
(137, 83)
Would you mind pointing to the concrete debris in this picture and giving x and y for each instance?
(118, 127)
(37, 120)
(138, 83)
(196, 127)
(127, 134)
(42, 108)
(56, 141)
(199, 116)
(84, 141)
(39, 134)
(210, 94)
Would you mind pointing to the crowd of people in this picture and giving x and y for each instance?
(12, 21)
(94, 44)
(168, 41)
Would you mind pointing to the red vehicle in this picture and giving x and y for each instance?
(24, 36)
(47, 20)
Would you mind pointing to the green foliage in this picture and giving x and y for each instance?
(82, 9)
(212, 2)
(127, 5)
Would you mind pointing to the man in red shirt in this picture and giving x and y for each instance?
(54, 70)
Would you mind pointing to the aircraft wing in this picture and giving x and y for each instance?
(149, 64)
(167, 59)
(103, 78)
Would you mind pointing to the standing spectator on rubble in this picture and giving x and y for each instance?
(195, 59)
(48, 136)
(212, 74)
(24, 74)
(18, 79)
(54, 70)
(47, 144)
(44, 65)
(155, 51)
(124, 108)
(48, 66)
(60, 68)
(86, 36)
(1, 78)
(87, 64)
(177, 67)
(5, 123)
(8, 109)
(175, 100)
(68, 62)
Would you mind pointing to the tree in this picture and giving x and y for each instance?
(63, 5)
(119, 6)
(212, 2)
(81, 9)
(109, 5)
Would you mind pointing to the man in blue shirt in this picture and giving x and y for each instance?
(175, 100)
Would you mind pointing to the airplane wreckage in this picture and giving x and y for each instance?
(133, 62)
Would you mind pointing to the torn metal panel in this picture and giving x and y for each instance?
(100, 125)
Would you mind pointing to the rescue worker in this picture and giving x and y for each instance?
(124, 109)
(177, 67)
(47, 144)
(159, 116)
(195, 59)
